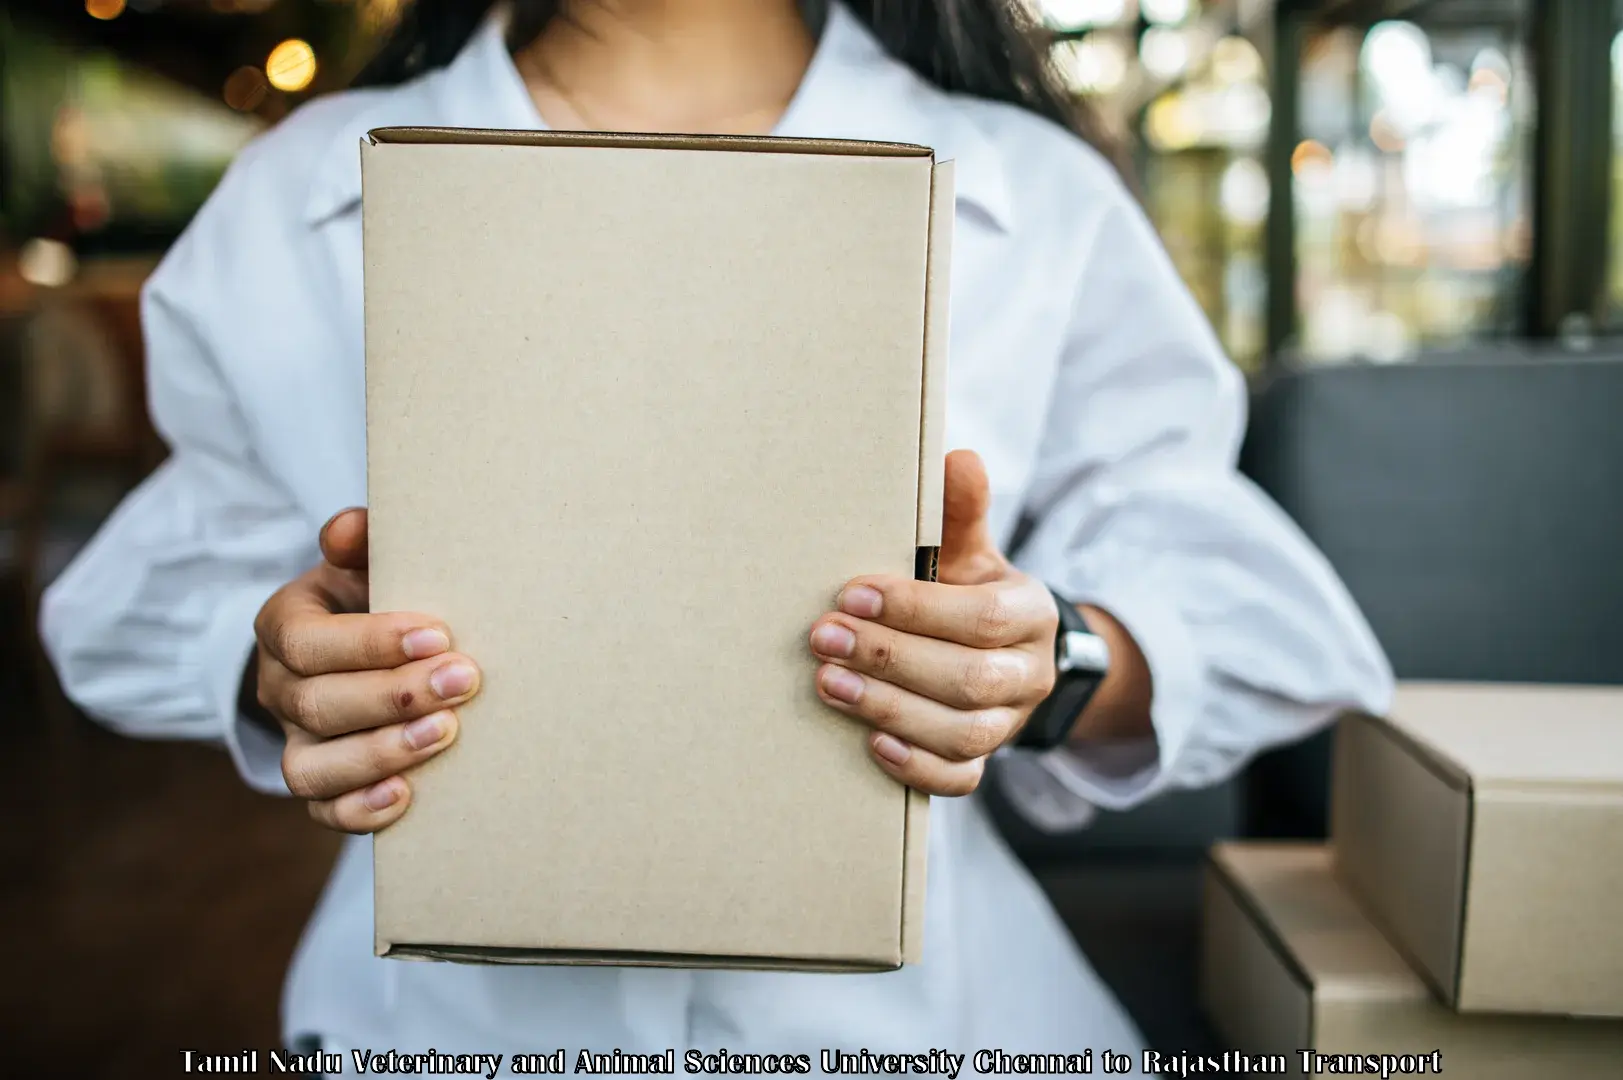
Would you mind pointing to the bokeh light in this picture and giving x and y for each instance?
(49, 264)
(1080, 14)
(1384, 134)
(246, 89)
(291, 66)
(1172, 124)
(1166, 12)
(377, 14)
(1243, 192)
(1095, 64)
(1236, 60)
(1164, 52)
(1398, 58)
(1309, 156)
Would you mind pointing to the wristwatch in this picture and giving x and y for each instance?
(1081, 660)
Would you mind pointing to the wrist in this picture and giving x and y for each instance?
(1120, 709)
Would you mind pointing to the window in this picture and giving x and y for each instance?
(1207, 189)
(1614, 255)
(99, 150)
(1411, 183)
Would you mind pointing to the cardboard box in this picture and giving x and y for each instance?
(1291, 964)
(1482, 829)
(637, 408)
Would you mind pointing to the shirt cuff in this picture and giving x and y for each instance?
(1038, 796)
(256, 753)
(1118, 775)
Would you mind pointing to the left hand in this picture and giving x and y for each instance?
(944, 672)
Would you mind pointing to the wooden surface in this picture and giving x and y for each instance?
(154, 907)
(152, 902)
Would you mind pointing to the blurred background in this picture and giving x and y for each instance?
(1398, 214)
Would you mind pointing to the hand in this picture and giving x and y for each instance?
(945, 672)
(362, 698)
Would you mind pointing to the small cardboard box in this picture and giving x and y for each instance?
(1291, 964)
(1482, 828)
(637, 407)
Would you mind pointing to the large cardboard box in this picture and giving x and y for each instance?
(637, 408)
(1292, 968)
(1482, 829)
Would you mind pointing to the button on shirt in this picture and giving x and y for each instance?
(1081, 371)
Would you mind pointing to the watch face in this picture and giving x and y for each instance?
(1083, 652)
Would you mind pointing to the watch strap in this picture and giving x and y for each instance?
(1050, 724)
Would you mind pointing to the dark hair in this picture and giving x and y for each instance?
(986, 48)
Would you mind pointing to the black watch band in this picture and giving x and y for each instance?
(1081, 661)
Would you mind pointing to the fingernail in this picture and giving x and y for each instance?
(452, 680)
(861, 601)
(842, 684)
(421, 643)
(425, 731)
(381, 795)
(832, 639)
(892, 750)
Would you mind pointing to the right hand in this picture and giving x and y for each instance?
(361, 697)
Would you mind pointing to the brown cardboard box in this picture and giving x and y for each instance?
(637, 408)
(1482, 829)
(1291, 964)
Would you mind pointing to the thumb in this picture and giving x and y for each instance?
(343, 539)
(968, 554)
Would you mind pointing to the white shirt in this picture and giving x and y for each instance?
(1080, 369)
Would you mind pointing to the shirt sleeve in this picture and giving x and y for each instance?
(1139, 509)
(151, 627)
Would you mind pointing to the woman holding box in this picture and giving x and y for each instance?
(1159, 622)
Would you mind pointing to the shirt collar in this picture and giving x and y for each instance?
(853, 89)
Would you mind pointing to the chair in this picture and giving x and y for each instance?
(84, 439)
(1471, 504)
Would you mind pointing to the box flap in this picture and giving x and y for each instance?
(1256, 995)
(757, 144)
(915, 875)
(1517, 734)
(1290, 891)
(1401, 825)
(937, 330)
(932, 479)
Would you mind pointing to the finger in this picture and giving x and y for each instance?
(324, 769)
(952, 734)
(300, 630)
(331, 705)
(367, 810)
(340, 590)
(923, 771)
(953, 674)
(343, 539)
(1010, 611)
(969, 555)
